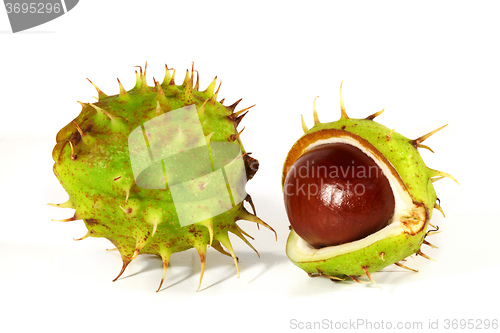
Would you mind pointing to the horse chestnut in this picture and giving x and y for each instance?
(335, 193)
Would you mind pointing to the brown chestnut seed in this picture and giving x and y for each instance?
(335, 194)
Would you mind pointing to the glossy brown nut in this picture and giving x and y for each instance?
(336, 194)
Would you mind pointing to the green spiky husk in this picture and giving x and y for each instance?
(393, 243)
(93, 165)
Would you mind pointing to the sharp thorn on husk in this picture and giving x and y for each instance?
(426, 136)
(126, 261)
(165, 257)
(248, 199)
(355, 279)
(155, 83)
(334, 278)
(192, 73)
(406, 267)
(197, 85)
(98, 109)
(235, 229)
(438, 207)
(217, 246)
(343, 113)
(243, 110)
(304, 126)
(73, 156)
(70, 219)
(101, 95)
(202, 252)
(376, 114)
(432, 232)
(211, 87)
(224, 239)
(232, 107)
(209, 137)
(424, 146)
(144, 83)
(236, 136)
(315, 112)
(127, 194)
(162, 278)
(218, 88)
(238, 119)
(430, 244)
(82, 238)
(155, 226)
(435, 179)
(245, 215)
(138, 80)
(243, 232)
(167, 77)
(187, 79)
(320, 274)
(209, 225)
(123, 92)
(140, 70)
(213, 99)
(420, 253)
(79, 129)
(201, 109)
(172, 80)
(370, 277)
(388, 136)
(437, 173)
(123, 209)
(67, 204)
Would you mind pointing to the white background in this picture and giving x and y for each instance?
(428, 63)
